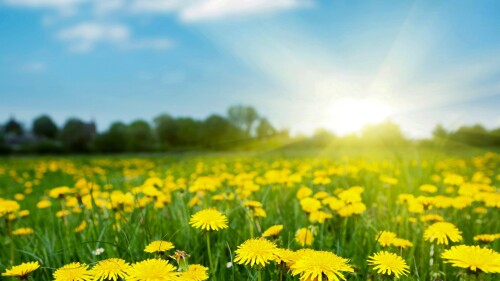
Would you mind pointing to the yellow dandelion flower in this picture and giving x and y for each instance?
(195, 272)
(22, 270)
(259, 212)
(252, 204)
(304, 237)
(442, 232)
(23, 231)
(73, 272)
(319, 216)
(402, 243)
(487, 237)
(255, 251)
(284, 256)
(320, 265)
(110, 269)
(59, 192)
(304, 192)
(273, 230)
(8, 207)
(310, 204)
(473, 257)
(152, 269)
(81, 227)
(388, 263)
(158, 246)
(428, 188)
(209, 219)
(385, 238)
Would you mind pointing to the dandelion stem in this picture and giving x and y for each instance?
(212, 269)
(259, 275)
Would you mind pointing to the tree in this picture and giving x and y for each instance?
(44, 127)
(218, 132)
(114, 140)
(77, 136)
(243, 117)
(166, 129)
(383, 134)
(265, 129)
(13, 127)
(140, 137)
(439, 132)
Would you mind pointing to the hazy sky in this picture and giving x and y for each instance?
(302, 63)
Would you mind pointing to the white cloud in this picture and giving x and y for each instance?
(103, 7)
(157, 6)
(34, 67)
(217, 9)
(42, 3)
(85, 36)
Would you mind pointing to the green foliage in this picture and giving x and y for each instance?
(44, 127)
(77, 136)
(140, 137)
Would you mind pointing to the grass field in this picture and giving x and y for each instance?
(87, 209)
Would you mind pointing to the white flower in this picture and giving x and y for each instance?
(98, 251)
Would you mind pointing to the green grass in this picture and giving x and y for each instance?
(55, 243)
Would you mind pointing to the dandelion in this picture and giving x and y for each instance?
(388, 263)
(21, 271)
(442, 232)
(159, 246)
(152, 269)
(23, 231)
(255, 251)
(110, 269)
(316, 265)
(42, 204)
(73, 272)
(195, 272)
(487, 237)
(273, 230)
(208, 219)
(473, 257)
(385, 238)
(304, 237)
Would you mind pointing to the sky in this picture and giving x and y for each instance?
(303, 64)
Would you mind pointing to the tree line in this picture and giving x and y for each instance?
(164, 133)
(241, 128)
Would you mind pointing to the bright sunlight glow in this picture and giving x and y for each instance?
(350, 115)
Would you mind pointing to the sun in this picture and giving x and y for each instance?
(351, 115)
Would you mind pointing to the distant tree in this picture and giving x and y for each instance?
(322, 138)
(12, 127)
(166, 129)
(439, 132)
(188, 133)
(383, 134)
(77, 136)
(44, 127)
(218, 132)
(243, 117)
(265, 129)
(114, 140)
(140, 137)
(475, 135)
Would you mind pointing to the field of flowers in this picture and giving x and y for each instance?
(250, 218)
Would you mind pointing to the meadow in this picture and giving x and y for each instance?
(251, 217)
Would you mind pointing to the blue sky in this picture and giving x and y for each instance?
(302, 63)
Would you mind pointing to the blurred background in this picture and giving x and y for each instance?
(90, 76)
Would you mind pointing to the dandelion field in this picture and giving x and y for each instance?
(237, 217)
